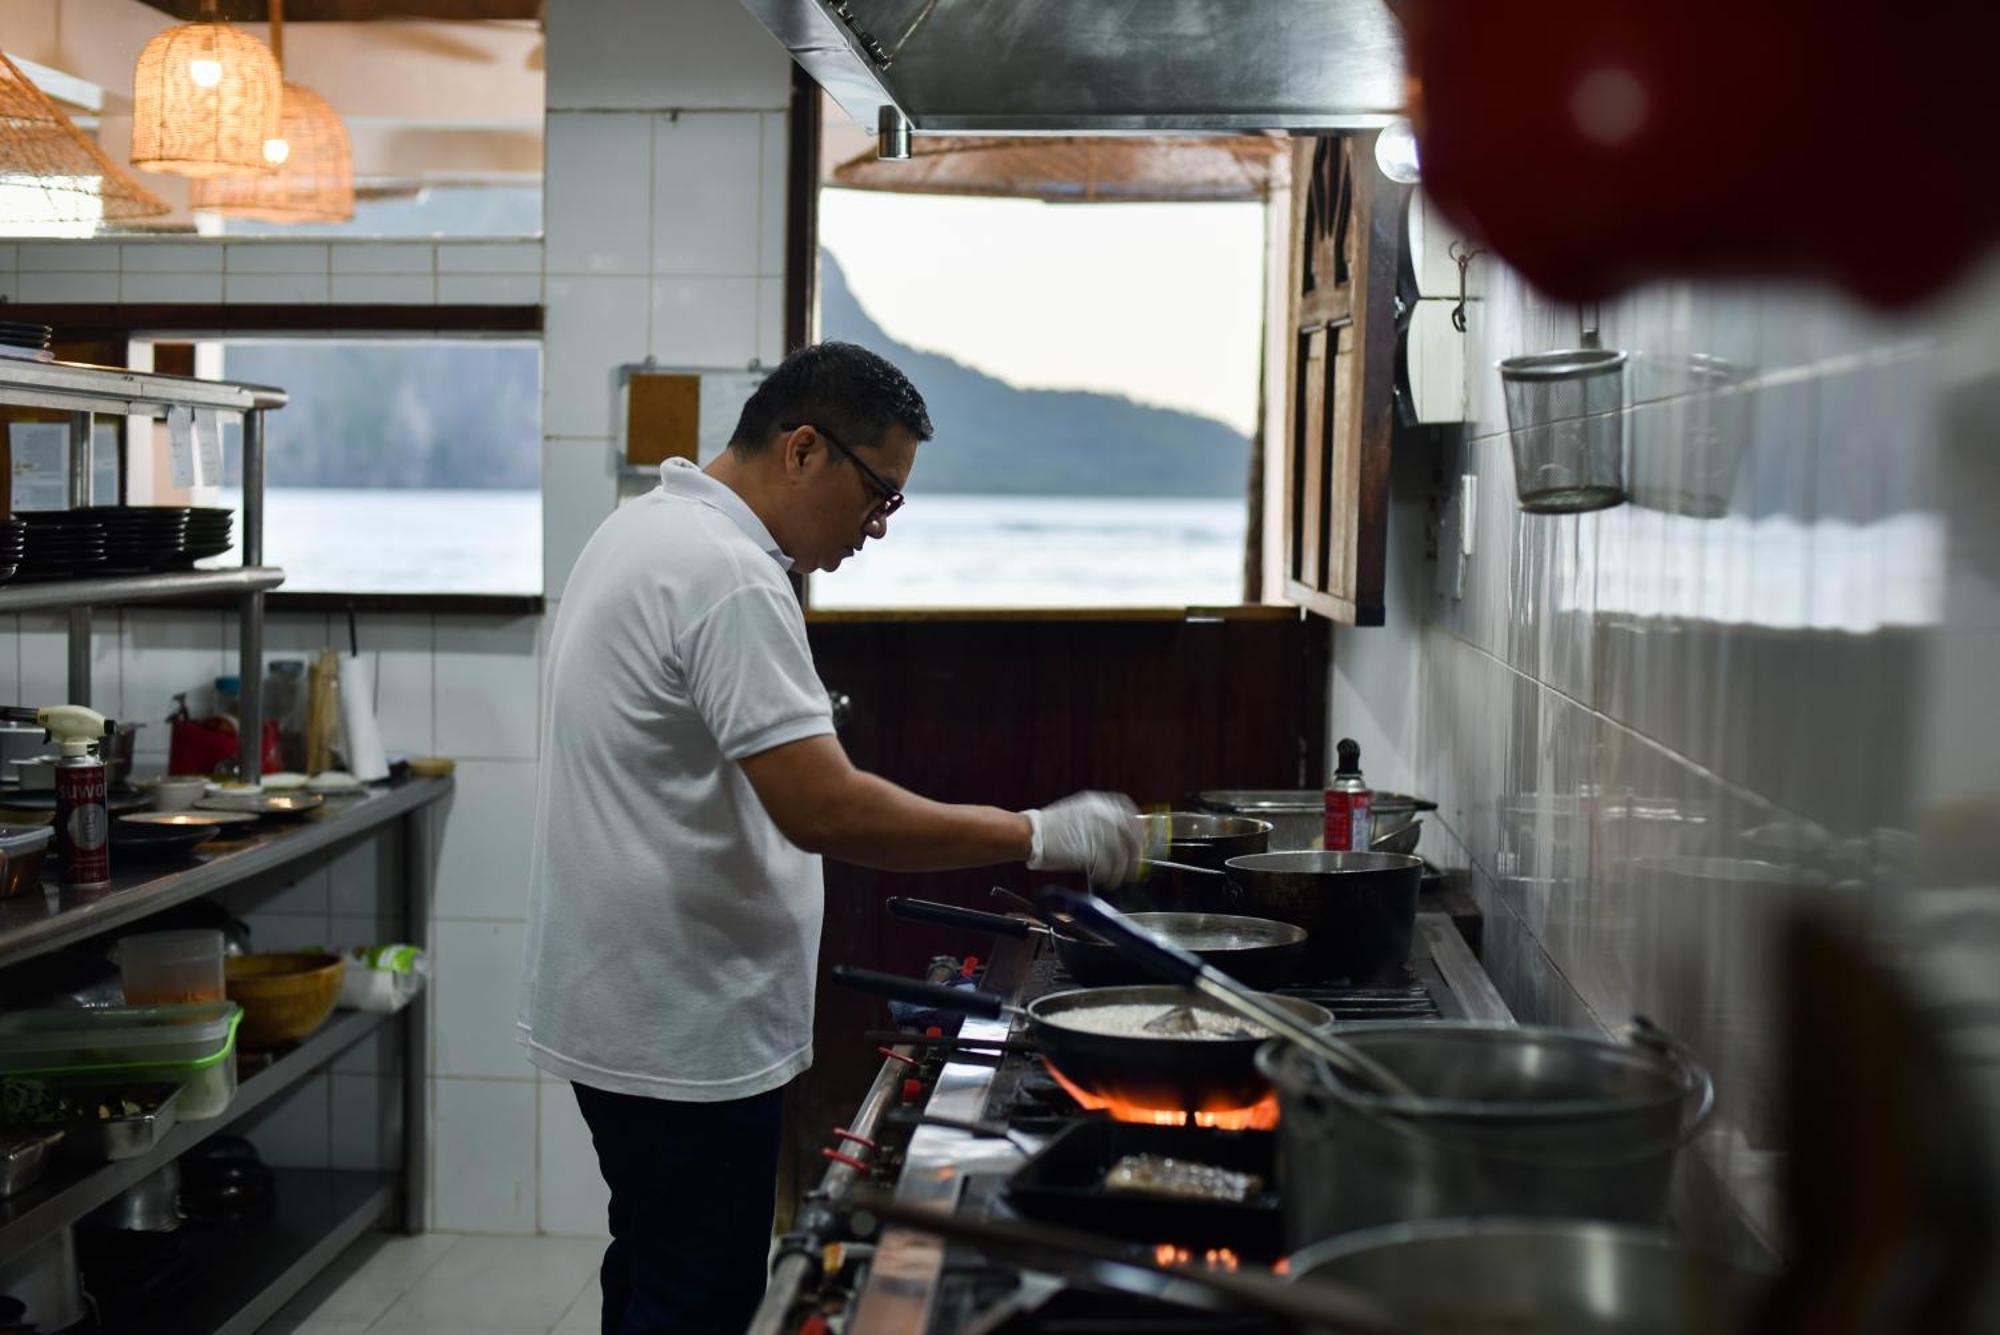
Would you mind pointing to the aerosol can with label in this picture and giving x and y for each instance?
(83, 824)
(1350, 816)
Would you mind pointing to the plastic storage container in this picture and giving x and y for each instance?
(191, 1046)
(172, 968)
(22, 848)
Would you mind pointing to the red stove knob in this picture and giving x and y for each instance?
(814, 1324)
(969, 969)
(913, 1089)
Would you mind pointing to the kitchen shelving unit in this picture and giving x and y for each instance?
(84, 392)
(245, 1273)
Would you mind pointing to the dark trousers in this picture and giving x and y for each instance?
(693, 1186)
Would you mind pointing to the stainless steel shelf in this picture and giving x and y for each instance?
(73, 1190)
(75, 387)
(34, 924)
(138, 588)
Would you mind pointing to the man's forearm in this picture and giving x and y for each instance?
(872, 822)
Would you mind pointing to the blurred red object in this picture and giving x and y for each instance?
(205, 746)
(1596, 145)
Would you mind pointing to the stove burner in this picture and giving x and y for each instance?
(1039, 1105)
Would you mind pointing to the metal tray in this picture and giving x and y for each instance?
(99, 1140)
(24, 1154)
(1065, 1184)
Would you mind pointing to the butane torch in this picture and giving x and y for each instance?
(83, 825)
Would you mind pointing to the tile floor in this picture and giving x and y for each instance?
(451, 1284)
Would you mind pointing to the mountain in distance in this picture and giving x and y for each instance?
(996, 439)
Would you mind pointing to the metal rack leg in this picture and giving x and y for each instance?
(81, 427)
(418, 827)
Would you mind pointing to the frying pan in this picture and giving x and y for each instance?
(1153, 1071)
(1255, 951)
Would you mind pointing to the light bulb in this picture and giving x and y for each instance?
(1396, 153)
(205, 73)
(276, 151)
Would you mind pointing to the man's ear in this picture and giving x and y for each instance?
(798, 446)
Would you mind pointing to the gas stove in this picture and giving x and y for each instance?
(915, 1284)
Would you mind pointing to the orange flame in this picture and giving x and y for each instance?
(1259, 1116)
(1215, 1258)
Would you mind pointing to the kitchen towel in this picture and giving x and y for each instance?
(366, 760)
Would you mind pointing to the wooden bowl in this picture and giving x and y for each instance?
(284, 996)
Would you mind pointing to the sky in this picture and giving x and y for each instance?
(1160, 302)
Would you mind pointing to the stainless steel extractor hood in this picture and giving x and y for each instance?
(1099, 66)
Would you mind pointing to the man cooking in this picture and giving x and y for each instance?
(690, 783)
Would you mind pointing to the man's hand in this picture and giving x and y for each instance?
(1095, 833)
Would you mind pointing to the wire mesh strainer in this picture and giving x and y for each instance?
(1566, 422)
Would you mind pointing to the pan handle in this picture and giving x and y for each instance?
(1168, 962)
(966, 1000)
(950, 915)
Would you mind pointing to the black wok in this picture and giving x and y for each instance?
(1151, 1071)
(1255, 951)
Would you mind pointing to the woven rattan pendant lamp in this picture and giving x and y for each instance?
(50, 172)
(205, 97)
(314, 176)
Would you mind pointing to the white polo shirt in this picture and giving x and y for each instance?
(673, 932)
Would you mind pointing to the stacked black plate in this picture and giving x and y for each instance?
(31, 338)
(140, 538)
(61, 542)
(13, 539)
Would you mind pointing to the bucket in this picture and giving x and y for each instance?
(1525, 1122)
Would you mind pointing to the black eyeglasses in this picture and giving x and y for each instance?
(889, 498)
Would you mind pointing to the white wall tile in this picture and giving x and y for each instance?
(44, 644)
(704, 321)
(593, 326)
(10, 256)
(641, 54)
(170, 257)
(276, 258)
(383, 289)
(774, 165)
(402, 645)
(598, 191)
(64, 287)
(509, 289)
(476, 994)
(275, 289)
(488, 684)
(490, 257)
(10, 660)
(574, 1198)
(482, 1162)
(380, 257)
(291, 1131)
(771, 320)
(301, 895)
(164, 653)
(68, 257)
(362, 881)
(488, 836)
(170, 288)
(579, 490)
(706, 183)
(286, 931)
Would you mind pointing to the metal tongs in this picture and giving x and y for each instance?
(1173, 965)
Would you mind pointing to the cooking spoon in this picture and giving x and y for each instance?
(1173, 965)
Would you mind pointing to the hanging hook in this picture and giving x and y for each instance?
(1589, 319)
(1463, 257)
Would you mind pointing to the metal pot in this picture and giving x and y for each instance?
(1359, 909)
(1298, 815)
(1200, 839)
(1553, 1278)
(1506, 1121)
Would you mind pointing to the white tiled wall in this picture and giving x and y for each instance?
(663, 236)
(1652, 727)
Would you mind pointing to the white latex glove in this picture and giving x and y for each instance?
(1094, 833)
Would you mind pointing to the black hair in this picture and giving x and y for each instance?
(844, 388)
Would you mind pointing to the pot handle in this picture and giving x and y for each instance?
(966, 1000)
(1167, 962)
(950, 915)
(1644, 1033)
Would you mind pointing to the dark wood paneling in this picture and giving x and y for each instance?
(802, 210)
(1017, 714)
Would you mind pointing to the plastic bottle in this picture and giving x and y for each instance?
(1350, 822)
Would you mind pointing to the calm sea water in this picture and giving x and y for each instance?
(949, 551)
